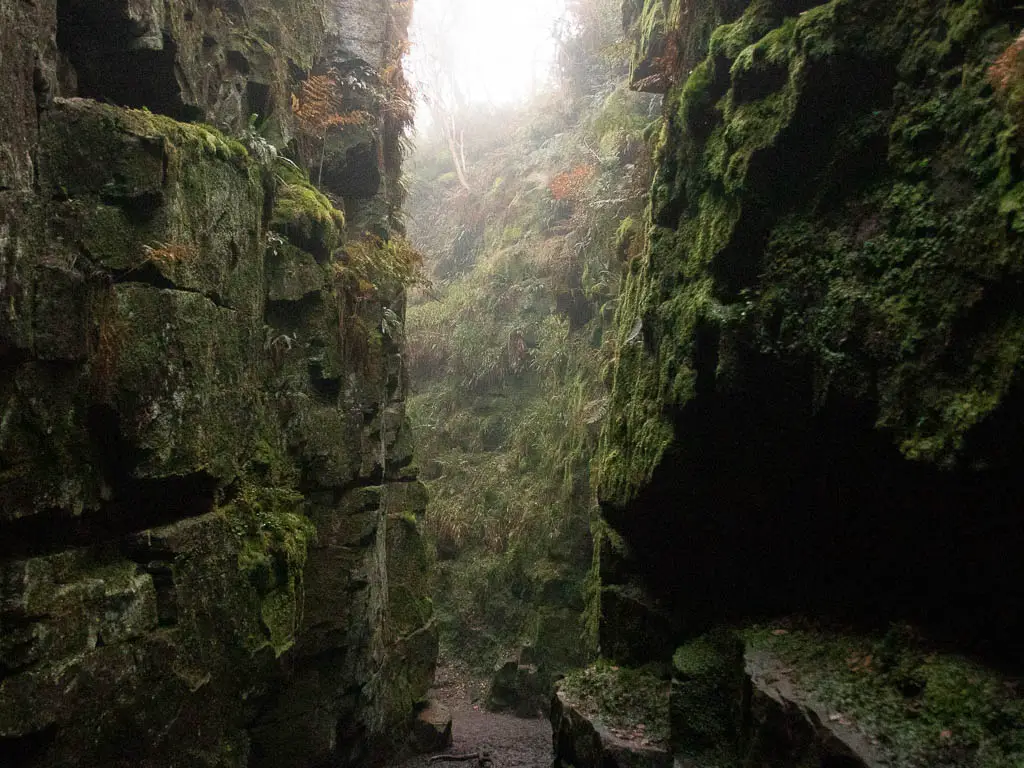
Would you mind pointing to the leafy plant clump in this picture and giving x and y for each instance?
(385, 267)
(318, 109)
(928, 708)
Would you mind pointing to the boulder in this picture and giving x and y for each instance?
(707, 698)
(790, 726)
(583, 740)
(516, 687)
(432, 729)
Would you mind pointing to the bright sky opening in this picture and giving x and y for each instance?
(499, 51)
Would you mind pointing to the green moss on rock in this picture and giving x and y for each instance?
(924, 706)
(181, 372)
(304, 215)
(275, 537)
(163, 398)
(409, 601)
(872, 237)
(621, 697)
(706, 703)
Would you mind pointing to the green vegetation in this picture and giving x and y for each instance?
(927, 708)
(875, 281)
(622, 698)
(707, 686)
(505, 402)
(274, 538)
(387, 267)
(506, 350)
(303, 214)
(187, 135)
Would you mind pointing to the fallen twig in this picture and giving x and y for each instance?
(459, 758)
(483, 759)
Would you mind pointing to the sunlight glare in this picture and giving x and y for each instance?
(499, 51)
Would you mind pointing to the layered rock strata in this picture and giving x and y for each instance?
(209, 549)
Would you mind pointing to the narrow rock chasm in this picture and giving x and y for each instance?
(577, 382)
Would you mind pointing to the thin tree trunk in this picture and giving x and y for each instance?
(323, 154)
(459, 169)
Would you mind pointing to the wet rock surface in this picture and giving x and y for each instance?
(209, 515)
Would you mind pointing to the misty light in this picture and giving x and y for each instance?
(498, 52)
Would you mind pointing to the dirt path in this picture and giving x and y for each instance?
(513, 742)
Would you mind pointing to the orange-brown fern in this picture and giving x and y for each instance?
(571, 185)
(1007, 77)
(1009, 66)
(318, 108)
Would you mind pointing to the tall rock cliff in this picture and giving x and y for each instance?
(209, 550)
(813, 431)
(817, 382)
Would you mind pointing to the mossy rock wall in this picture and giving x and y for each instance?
(209, 538)
(817, 379)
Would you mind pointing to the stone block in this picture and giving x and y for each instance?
(85, 152)
(432, 729)
(706, 699)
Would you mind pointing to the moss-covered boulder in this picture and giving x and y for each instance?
(821, 694)
(706, 702)
(610, 716)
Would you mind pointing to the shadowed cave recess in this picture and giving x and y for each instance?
(767, 511)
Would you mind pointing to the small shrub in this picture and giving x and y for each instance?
(572, 185)
(381, 266)
(1007, 76)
